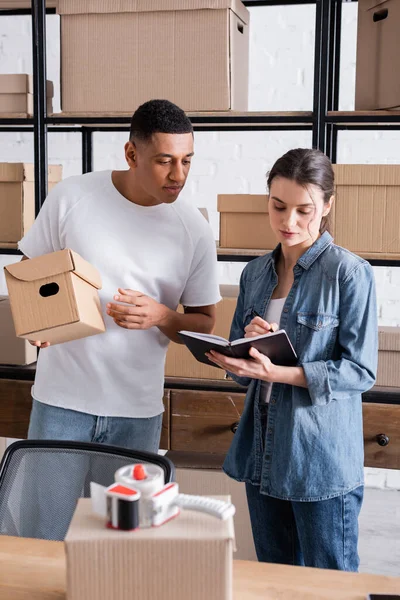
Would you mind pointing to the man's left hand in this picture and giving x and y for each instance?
(138, 311)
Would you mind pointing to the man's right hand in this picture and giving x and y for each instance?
(39, 344)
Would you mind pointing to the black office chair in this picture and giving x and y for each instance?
(41, 481)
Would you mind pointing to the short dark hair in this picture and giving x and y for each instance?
(158, 116)
(307, 167)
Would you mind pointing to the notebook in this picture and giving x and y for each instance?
(275, 345)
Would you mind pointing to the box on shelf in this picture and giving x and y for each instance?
(54, 297)
(181, 363)
(17, 199)
(16, 93)
(389, 357)
(378, 49)
(366, 209)
(188, 557)
(198, 58)
(244, 222)
(13, 4)
(13, 350)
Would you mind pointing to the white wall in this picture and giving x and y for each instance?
(281, 78)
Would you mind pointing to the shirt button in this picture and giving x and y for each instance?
(270, 431)
(285, 310)
(273, 401)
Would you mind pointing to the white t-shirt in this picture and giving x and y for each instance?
(272, 315)
(166, 251)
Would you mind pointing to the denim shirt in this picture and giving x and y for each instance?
(313, 446)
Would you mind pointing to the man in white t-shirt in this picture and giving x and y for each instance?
(153, 251)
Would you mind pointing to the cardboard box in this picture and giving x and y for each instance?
(17, 199)
(20, 103)
(244, 222)
(54, 297)
(212, 482)
(181, 363)
(366, 209)
(115, 56)
(21, 83)
(378, 49)
(13, 350)
(389, 357)
(13, 4)
(188, 557)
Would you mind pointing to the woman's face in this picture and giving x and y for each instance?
(295, 212)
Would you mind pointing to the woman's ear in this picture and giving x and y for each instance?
(328, 206)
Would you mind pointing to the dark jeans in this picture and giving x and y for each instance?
(320, 534)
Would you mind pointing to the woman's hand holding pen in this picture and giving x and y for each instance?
(258, 326)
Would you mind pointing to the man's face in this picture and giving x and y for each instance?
(161, 164)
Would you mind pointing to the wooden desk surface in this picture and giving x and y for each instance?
(35, 570)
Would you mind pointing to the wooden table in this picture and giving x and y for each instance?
(35, 570)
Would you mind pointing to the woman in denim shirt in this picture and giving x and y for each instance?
(299, 444)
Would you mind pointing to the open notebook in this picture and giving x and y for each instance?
(275, 345)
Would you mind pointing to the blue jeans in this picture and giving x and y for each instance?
(55, 423)
(321, 534)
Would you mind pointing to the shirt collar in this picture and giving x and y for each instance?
(313, 252)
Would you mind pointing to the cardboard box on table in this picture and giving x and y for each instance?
(54, 297)
(188, 557)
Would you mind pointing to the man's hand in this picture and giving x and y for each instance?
(39, 344)
(138, 311)
(258, 326)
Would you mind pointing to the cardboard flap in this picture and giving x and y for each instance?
(367, 174)
(370, 4)
(389, 339)
(71, 7)
(55, 263)
(243, 203)
(12, 172)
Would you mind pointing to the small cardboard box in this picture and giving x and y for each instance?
(54, 297)
(13, 350)
(16, 93)
(17, 199)
(378, 49)
(389, 357)
(117, 55)
(244, 222)
(181, 363)
(366, 209)
(189, 557)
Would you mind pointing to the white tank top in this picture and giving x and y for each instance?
(272, 315)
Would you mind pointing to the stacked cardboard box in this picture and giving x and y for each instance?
(16, 94)
(378, 49)
(13, 350)
(117, 55)
(181, 363)
(389, 357)
(14, 4)
(365, 213)
(17, 199)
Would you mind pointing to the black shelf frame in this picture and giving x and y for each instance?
(322, 121)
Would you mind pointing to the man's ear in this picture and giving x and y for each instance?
(130, 154)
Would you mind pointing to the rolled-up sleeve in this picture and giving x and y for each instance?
(355, 371)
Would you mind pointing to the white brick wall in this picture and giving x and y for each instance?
(281, 78)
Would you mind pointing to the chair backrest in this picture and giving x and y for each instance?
(41, 481)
